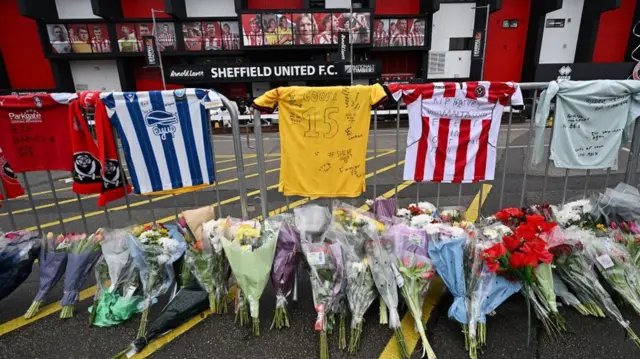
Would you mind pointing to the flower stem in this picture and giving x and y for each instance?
(67, 312)
(384, 318)
(342, 335)
(403, 351)
(142, 330)
(213, 303)
(33, 309)
(354, 339)
(256, 326)
(324, 346)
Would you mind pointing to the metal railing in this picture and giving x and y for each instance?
(50, 205)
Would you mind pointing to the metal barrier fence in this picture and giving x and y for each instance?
(49, 203)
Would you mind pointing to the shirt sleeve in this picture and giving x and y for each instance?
(541, 116)
(516, 98)
(266, 102)
(378, 95)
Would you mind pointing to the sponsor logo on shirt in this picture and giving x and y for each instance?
(28, 116)
(565, 72)
(162, 123)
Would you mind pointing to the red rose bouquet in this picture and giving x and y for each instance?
(524, 257)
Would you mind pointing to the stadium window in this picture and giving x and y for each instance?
(460, 43)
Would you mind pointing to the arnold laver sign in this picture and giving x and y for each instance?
(263, 72)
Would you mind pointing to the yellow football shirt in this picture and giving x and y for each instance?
(323, 137)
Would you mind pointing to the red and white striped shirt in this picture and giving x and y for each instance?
(324, 38)
(212, 43)
(453, 129)
(166, 40)
(254, 39)
(103, 45)
(380, 38)
(230, 42)
(415, 39)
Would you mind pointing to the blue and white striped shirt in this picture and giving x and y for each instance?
(164, 136)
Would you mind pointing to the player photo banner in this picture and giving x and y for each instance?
(399, 32)
(304, 29)
(211, 36)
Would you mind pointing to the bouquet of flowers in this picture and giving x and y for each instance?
(361, 291)
(414, 210)
(199, 253)
(614, 263)
(574, 267)
(52, 263)
(628, 234)
(452, 215)
(416, 271)
(18, 251)
(188, 302)
(285, 265)
(117, 302)
(83, 252)
(154, 249)
(568, 298)
(323, 254)
(619, 203)
(384, 209)
(386, 275)
(450, 253)
(524, 256)
(250, 249)
(576, 213)
(213, 232)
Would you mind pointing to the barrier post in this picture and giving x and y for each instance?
(634, 152)
(215, 168)
(237, 146)
(397, 176)
(55, 199)
(257, 129)
(8, 205)
(33, 206)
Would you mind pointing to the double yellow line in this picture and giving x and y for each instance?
(74, 200)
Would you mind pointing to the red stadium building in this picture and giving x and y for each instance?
(244, 47)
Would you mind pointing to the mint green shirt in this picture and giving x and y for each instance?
(591, 122)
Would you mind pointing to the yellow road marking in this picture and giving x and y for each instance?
(433, 295)
(125, 167)
(74, 200)
(155, 199)
(162, 341)
(52, 308)
(44, 311)
(472, 211)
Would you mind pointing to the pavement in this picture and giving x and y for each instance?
(217, 336)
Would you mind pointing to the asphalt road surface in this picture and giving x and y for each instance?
(218, 336)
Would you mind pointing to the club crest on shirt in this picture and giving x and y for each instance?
(480, 91)
(130, 96)
(180, 94)
(162, 123)
(37, 101)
